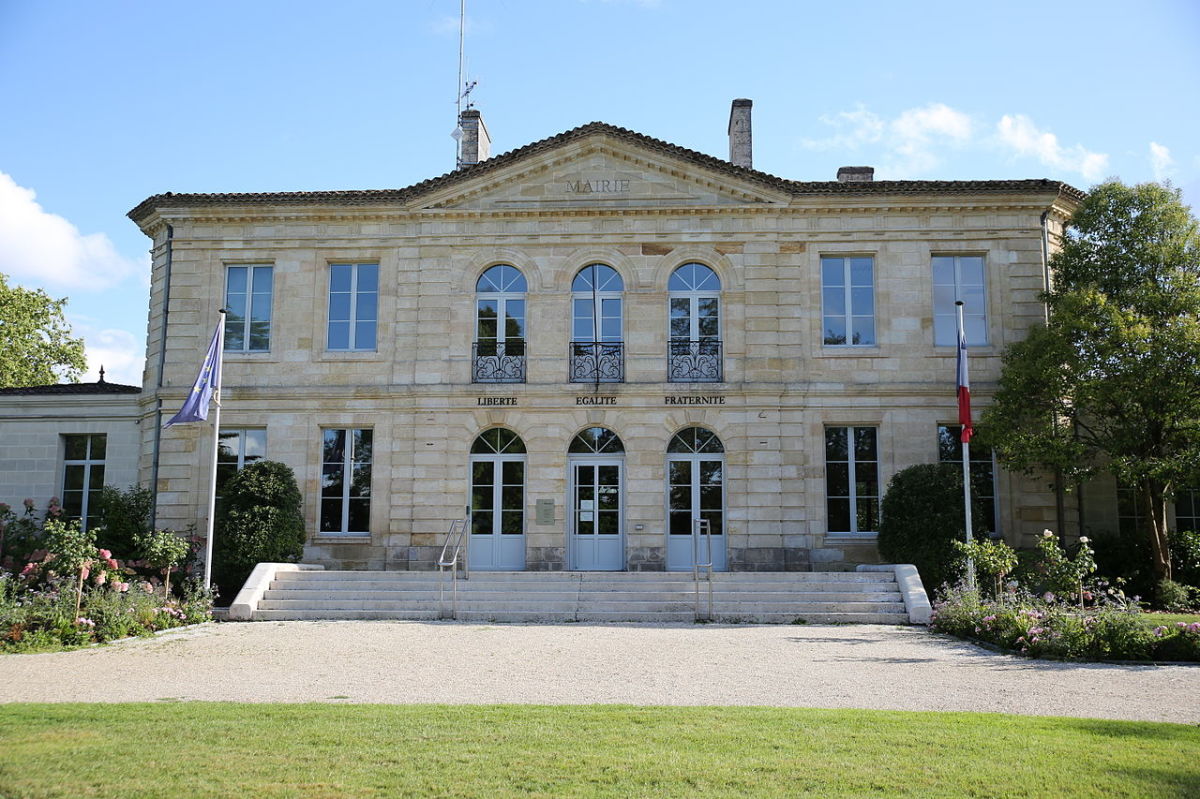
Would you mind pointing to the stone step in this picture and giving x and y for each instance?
(561, 586)
(542, 578)
(336, 593)
(569, 607)
(600, 617)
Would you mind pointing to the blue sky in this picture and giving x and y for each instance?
(106, 103)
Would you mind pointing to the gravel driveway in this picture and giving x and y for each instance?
(867, 666)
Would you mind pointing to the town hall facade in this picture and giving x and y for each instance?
(589, 344)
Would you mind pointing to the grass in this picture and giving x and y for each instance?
(335, 750)
(1155, 619)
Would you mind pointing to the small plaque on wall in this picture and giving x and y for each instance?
(545, 511)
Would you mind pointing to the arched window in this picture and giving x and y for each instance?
(499, 326)
(695, 493)
(597, 341)
(694, 349)
(497, 501)
(596, 441)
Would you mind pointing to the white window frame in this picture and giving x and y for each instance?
(347, 478)
(1193, 493)
(88, 463)
(849, 313)
(945, 320)
(251, 269)
(241, 432)
(694, 296)
(502, 299)
(355, 298)
(852, 484)
(975, 459)
(597, 298)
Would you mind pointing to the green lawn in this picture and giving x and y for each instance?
(190, 750)
(1155, 619)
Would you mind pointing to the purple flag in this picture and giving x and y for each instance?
(195, 407)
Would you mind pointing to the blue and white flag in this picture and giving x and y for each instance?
(208, 382)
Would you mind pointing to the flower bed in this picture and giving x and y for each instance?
(1046, 627)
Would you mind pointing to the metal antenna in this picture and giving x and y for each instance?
(458, 92)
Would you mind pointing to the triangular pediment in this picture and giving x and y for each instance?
(598, 171)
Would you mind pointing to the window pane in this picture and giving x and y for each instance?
(260, 307)
(607, 523)
(839, 515)
(339, 335)
(864, 330)
(511, 522)
(512, 497)
(365, 310)
(710, 497)
(971, 270)
(679, 473)
(363, 440)
(680, 497)
(256, 444)
(360, 484)
(339, 278)
(482, 498)
(861, 272)
(711, 472)
(862, 301)
(943, 271)
(835, 301)
(339, 307)
(360, 516)
(514, 473)
(368, 277)
(334, 446)
(75, 448)
(837, 479)
(864, 443)
(836, 448)
(481, 522)
(235, 280)
(832, 272)
(681, 522)
(96, 477)
(868, 515)
(835, 330)
(364, 336)
(483, 472)
(331, 515)
(73, 478)
(262, 280)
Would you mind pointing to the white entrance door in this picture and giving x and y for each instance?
(497, 502)
(695, 491)
(597, 534)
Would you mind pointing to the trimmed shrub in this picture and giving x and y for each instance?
(259, 521)
(1185, 557)
(922, 518)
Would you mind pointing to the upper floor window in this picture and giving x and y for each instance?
(959, 277)
(248, 290)
(500, 326)
(353, 304)
(596, 326)
(83, 477)
(1187, 508)
(694, 346)
(848, 297)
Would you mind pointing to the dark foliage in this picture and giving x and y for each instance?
(259, 521)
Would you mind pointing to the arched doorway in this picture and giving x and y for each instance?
(695, 490)
(596, 538)
(497, 502)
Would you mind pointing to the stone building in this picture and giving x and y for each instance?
(588, 344)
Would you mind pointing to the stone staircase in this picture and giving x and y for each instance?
(766, 597)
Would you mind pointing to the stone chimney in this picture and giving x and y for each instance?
(476, 144)
(856, 174)
(741, 144)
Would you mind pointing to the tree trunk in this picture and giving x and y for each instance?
(1155, 496)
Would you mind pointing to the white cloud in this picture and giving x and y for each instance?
(121, 353)
(1017, 133)
(912, 140)
(1161, 161)
(44, 247)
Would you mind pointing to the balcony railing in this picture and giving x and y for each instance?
(597, 361)
(694, 361)
(498, 362)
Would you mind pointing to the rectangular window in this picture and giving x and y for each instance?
(1187, 509)
(848, 298)
(851, 480)
(248, 290)
(237, 449)
(1129, 510)
(959, 277)
(346, 481)
(83, 477)
(983, 471)
(353, 299)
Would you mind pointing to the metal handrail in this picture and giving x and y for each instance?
(453, 552)
(697, 565)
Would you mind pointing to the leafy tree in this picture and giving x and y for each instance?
(36, 346)
(259, 521)
(163, 549)
(1113, 381)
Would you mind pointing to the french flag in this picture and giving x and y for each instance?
(964, 384)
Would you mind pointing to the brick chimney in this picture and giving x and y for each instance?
(476, 144)
(741, 144)
(856, 174)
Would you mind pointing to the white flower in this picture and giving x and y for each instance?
(1083, 539)
(1047, 534)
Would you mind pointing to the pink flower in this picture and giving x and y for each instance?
(104, 554)
(84, 572)
(112, 563)
(4, 507)
(101, 578)
(149, 589)
(29, 567)
(55, 501)
(1049, 597)
(28, 502)
(121, 587)
(1158, 631)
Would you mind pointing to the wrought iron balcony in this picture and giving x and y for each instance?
(597, 361)
(498, 362)
(694, 361)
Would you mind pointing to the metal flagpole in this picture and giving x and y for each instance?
(966, 445)
(212, 485)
